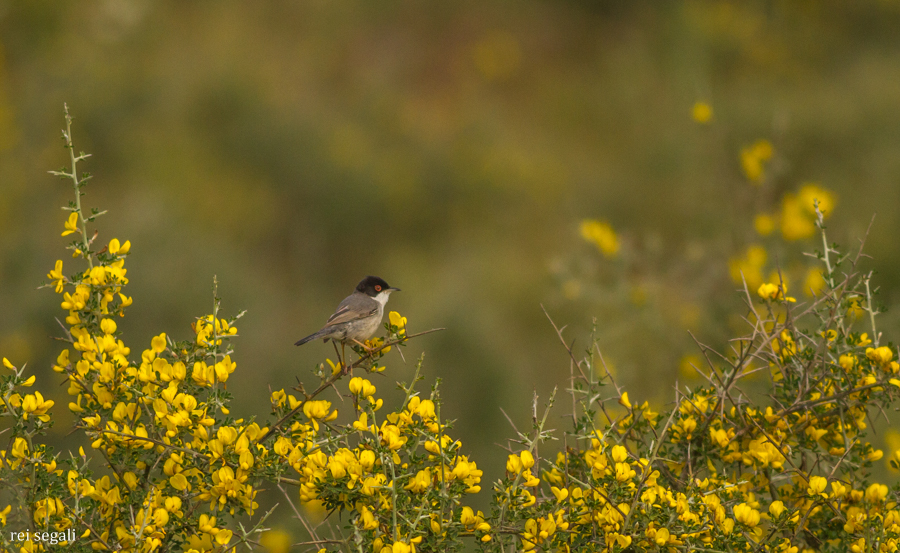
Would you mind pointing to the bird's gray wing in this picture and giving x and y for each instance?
(353, 308)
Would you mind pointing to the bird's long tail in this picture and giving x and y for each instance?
(310, 338)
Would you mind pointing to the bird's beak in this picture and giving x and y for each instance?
(394, 289)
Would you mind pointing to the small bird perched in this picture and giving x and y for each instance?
(358, 316)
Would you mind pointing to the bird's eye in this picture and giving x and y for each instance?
(378, 288)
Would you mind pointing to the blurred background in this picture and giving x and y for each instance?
(622, 163)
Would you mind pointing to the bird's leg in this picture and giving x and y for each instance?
(346, 366)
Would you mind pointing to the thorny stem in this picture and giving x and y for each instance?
(820, 220)
(539, 431)
(869, 308)
(77, 184)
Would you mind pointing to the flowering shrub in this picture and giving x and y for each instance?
(721, 470)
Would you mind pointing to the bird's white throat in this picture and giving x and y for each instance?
(382, 297)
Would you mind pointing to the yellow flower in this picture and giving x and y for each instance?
(720, 436)
(796, 222)
(57, 276)
(876, 493)
(810, 193)
(71, 224)
(179, 482)
(158, 343)
(319, 409)
(624, 472)
(817, 485)
(108, 326)
(20, 448)
(390, 436)
(770, 291)
(776, 508)
(753, 160)
(746, 515)
(227, 434)
(467, 517)
(35, 404)
(116, 248)
(3, 514)
(623, 400)
(880, 356)
(527, 459)
(335, 368)
(278, 398)
(363, 423)
(369, 522)
(398, 321)
(749, 265)
(701, 112)
(529, 479)
(513, 464)
(601, 235)
(764, 224)
(560, 493)
(420, 482)
(400, 547)
(814, 284)
(361, 387)
(662, 536)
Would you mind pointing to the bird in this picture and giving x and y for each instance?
(357, 317)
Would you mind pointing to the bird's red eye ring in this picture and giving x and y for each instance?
(378, 288)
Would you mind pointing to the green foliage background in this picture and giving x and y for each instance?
(452, 149)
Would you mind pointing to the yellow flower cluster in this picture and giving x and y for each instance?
(364, 478)
(754, 159)
(798, 211)
(602, 235)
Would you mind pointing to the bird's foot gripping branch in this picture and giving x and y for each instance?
(167, 467)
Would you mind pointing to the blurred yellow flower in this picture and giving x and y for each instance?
(796, 223)
(687, 364)
(601, 235)
(753, 159)
(702, 112)
(798, 214)
(814, 283)
(810, 193)
(764, 224)
(750, 266)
